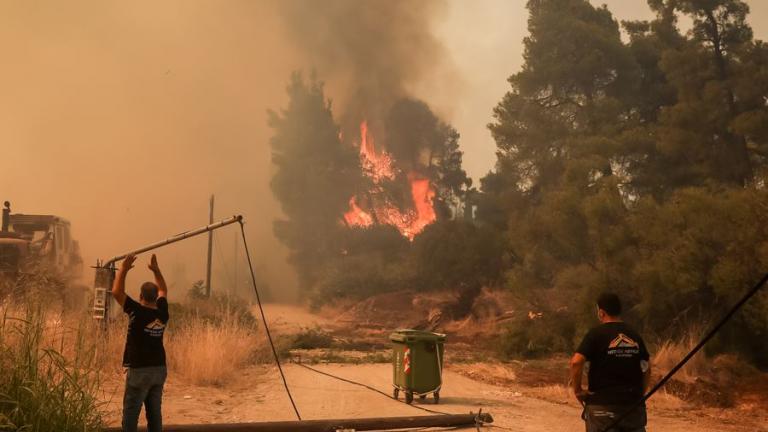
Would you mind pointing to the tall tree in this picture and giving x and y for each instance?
(709, 133)
(558, 133)
(315, 174)
(422, 143)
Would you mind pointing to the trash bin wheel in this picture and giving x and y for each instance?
(396, 393)
(436, 395)
(422, 397)
(409, 397)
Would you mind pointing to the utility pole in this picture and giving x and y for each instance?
(210, 250)
(236, 257)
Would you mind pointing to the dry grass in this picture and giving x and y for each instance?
(210, 353)
(554, 393)
(671, 352)
(49, 372)
(664, 400)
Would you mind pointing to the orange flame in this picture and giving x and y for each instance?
(357, 216)
(378, 166)
(423, 196)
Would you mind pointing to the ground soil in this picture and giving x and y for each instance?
(521, 396)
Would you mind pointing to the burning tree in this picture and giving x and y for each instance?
(353, 205)
(315, 176)
(415, 177)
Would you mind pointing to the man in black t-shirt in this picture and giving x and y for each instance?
(619, 372)
(144, 355)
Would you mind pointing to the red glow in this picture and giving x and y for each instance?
(357, 216)
(379, 166)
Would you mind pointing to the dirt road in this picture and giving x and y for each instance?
(258, 395)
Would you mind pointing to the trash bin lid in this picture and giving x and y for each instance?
(408, 335)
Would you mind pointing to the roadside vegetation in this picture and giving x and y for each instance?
(631, 157)
(49, 372)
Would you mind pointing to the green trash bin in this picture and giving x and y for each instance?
(417, 363)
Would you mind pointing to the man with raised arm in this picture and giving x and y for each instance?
(144, 355)
(619, 372)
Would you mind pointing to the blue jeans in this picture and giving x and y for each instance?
(144, 386)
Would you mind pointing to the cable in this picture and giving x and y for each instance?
(264, 319)
(369, 388)
(692, 353)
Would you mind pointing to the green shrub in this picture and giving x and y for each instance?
(452, 253)
(213, 310)
(537, 337)
(41, 390)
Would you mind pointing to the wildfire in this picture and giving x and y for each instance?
(357, 216)
(379, 166)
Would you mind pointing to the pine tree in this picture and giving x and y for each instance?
(315, 174)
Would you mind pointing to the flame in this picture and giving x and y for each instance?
(376, 165)
(379, 166)
(423, 196)
(357, 216)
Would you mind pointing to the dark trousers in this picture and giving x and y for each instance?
(144, 386)
(599, 417)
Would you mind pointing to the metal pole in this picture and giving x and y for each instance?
(365, 424)
(177, 237)
(210, 249)
(234, 288)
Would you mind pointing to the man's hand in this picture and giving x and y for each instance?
(153, 264)
(162, 288)
(118, 286)
(581, 394)
(577, 368)
(127, 263)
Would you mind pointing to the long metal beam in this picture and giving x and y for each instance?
(177, 237)
(364, 424)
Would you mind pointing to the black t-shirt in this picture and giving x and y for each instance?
(144, 344)
(614, 352)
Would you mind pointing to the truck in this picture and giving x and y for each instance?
(31, 244)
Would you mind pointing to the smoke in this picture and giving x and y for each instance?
(124, 117)
(370, 53)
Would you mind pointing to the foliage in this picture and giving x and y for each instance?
(537, 337)
(421, 142)
(450, 254)
(317, 172)
(212, 310)
(314, 178)
(41, 389)
(636, 167)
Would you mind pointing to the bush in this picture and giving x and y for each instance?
(359, 277)
(537, 336)
(40, 389)
(211, 351)
(312, 339)
(449, 254)
(213, 310)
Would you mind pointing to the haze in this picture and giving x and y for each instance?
(125, 116)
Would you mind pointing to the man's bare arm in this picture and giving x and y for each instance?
(162, 288)
(118, 286)
(577, 368)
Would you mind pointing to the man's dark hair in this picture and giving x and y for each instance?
(610, 303)
(149, 292)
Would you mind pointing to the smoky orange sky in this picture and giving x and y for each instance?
(124, 117)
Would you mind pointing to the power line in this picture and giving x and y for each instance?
(264, 319)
